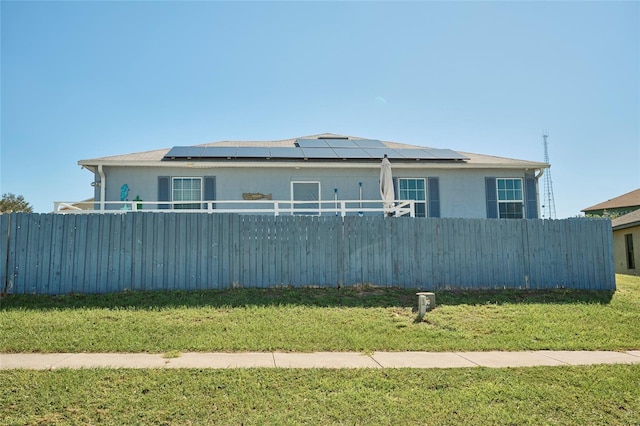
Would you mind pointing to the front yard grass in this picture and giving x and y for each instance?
(587, 395)
(356, 319)
(363, 319)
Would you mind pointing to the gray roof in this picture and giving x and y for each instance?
(627, 221)
(154, 157)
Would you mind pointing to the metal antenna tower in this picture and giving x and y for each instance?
(549, 206)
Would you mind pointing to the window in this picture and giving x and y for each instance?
(187, 189)
(510, 200)
(306, 191)
(414, 189)
(628, 245)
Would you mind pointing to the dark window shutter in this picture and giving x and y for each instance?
(434, 197)
(492, 197)
(531, 198)
(209, 190)
(163, 191)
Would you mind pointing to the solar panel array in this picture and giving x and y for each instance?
(317, 149)
(338, 143)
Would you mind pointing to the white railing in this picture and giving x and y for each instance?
(272, 207)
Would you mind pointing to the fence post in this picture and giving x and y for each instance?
(4, 272)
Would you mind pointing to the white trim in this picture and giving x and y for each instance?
(521, 200)
(269, 164)
(424, 201)
(192, 178)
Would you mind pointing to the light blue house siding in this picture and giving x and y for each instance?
(448, 192)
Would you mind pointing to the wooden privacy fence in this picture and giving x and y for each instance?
(100, 253)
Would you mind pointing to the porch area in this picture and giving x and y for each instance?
(340, 208)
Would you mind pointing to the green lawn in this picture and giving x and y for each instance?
(363, 319)
(519, 396)
(353, 319)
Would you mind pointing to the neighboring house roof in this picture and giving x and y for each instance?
(630, 199)
(154, 158)
(627, 221)
(82, 205)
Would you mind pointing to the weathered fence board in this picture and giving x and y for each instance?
(99, 253)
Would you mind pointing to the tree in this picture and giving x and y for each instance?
(12, 203)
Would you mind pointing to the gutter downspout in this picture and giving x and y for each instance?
(103, 185)
(538, 176)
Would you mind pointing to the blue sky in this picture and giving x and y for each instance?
(88, 79)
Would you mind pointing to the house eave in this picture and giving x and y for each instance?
(315, 164)
(626, 226)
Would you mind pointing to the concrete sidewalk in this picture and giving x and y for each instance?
(317, 360)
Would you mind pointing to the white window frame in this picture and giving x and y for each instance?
(514, 201)
(188, 204)
(306, 211)
(416, 202)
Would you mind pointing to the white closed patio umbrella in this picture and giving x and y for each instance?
(386, 186)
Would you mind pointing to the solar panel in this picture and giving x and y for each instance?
(416, 154)
(379, 153)
(184, 152)
(312, 143)
(369, 143)
(316, 149)
(286, 152)
(253, 152)
(319, 153)
(219, 152)
(446, 154)
(340, 143)
(347, 153)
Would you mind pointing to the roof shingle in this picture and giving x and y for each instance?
(626, 221)
(157, 155)
(630, 199)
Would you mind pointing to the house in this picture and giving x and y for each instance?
(626, 232)
(318, 174)
(618, 206)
